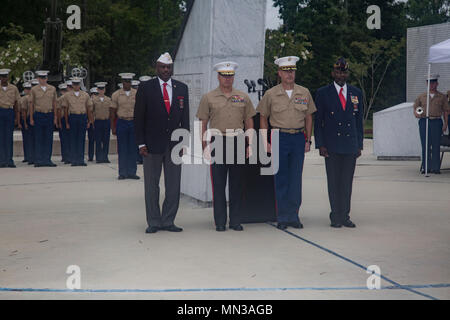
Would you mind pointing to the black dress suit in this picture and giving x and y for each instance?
(341, 132)
(154, 127)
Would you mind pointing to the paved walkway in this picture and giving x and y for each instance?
(51, 218)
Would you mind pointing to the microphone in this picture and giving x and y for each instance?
(249, 86)
(253, 85)
(262, 83)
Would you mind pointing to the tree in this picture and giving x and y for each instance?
(22, 52)
(333, 25)
(372, 61)
(280, 44)
(425, 12)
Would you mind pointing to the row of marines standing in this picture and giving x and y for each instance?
(73, 112)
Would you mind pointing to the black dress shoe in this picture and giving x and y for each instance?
(296, 225)
(11, 165)
(172, 228)
(282, 226)
(24, 160)
(220, 228)
(90, 160)
(237, 227)
(3, 165)
(51, 165)
(30, 163)
(83, 164)
(336, 225)
(38, 165)
(135, 177)
(106, 161)
(349, 224)
(436, 172)
(122, 178)
(152, 230)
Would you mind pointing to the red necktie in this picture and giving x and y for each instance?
(166, 97)
(342, 98)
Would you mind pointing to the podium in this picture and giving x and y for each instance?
(258, 195)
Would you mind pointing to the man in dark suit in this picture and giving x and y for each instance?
(339, 135)
(162, 106)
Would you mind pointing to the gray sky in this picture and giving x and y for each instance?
(272, 20)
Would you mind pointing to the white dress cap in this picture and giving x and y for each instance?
(93, 90)
(145, 78)
(62, 86)
(126, 76)
(42, 73)
(433, 76)
(287, 63)
(4, 72)
(101, 85)
(165, 58)
(227, 68)
(27, 85)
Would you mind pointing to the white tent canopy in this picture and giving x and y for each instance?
(440, 52)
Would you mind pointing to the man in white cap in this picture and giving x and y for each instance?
(78, 114)
(123, 104)
(438, 109)
(9, 100)
(64, 137)
(43, 116)
(228, 111)
(290, 108)
(91, 131)
(26, 137)
(162, 106)
(102, 126)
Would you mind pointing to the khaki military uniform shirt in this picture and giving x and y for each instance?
(24, 103)
(9, 96)
(285, 112)
(124, 104)
(101, 108)
(76, 105)
(438, 105)
(226, 112)
(43, 100)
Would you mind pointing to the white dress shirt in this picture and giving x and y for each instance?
(338, 89)
(169, 88)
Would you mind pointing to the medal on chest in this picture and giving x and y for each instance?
(181, 101)
(355, 102)
(303, 101)
(237, 99)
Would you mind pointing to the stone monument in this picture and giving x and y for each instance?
(217, 30)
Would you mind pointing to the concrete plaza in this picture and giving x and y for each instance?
(51, 218)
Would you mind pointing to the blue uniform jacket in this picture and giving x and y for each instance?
(338, 130)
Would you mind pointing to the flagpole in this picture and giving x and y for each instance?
(427, 117)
